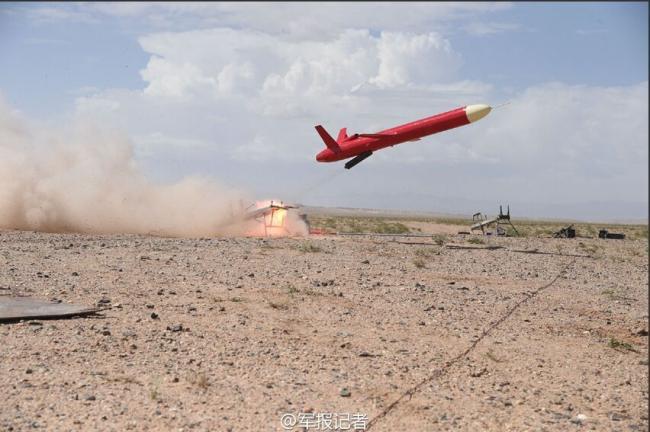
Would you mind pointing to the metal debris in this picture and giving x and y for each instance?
(568, 232)
(604, 234)
(482, 222)
(17, 308)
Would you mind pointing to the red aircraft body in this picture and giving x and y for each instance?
(361, 146)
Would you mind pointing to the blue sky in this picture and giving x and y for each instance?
(139, 68)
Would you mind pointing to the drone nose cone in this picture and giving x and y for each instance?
(477, 112)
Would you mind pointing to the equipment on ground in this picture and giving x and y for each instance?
(568, 232)
(485, 223)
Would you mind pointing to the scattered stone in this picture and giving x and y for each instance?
(90, 398)
(75, 274)
(641, 332)
(579, 419)
(106, 332)
(365, 262)
(103, 301)
(175, 328)
(345, 392)
(479, 373)
(149, 306)
(29, 371)
(154, 315)
(615, 416)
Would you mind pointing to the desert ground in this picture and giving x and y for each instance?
(438, 332)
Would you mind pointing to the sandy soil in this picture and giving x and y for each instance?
(230, 334)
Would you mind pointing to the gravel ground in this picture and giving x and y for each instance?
(230, 334)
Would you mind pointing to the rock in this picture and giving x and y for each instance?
(615, 416)
(154, 315)
(641, 332)
(104, 301)
(365, 262)
(28, 371)
(175, 328)
(106, 332)
(75, 274)
(149, 306)
(345, 392)
(90, 398)
(579, 419)
(478, 373)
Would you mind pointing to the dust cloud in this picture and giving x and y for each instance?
(85, 179)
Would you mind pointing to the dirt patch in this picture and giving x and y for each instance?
(219, 334)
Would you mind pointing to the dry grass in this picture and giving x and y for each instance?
(493, 357)
(279, 305)
(309, 247)
(427, 252)
(525, 227)
(200, 380)
(345, 224)
(419, 263)
(620, 345)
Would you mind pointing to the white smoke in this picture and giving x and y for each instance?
(85, 179)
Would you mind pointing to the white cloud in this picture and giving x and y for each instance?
(588, 32)
(247, 97)
(48, 14)
(479, 28)
(414, 59)
(318, 21)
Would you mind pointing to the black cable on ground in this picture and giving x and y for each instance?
(439, 372)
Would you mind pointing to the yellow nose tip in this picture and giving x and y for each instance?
(477, 112)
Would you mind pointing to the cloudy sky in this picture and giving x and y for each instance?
(233, 91)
